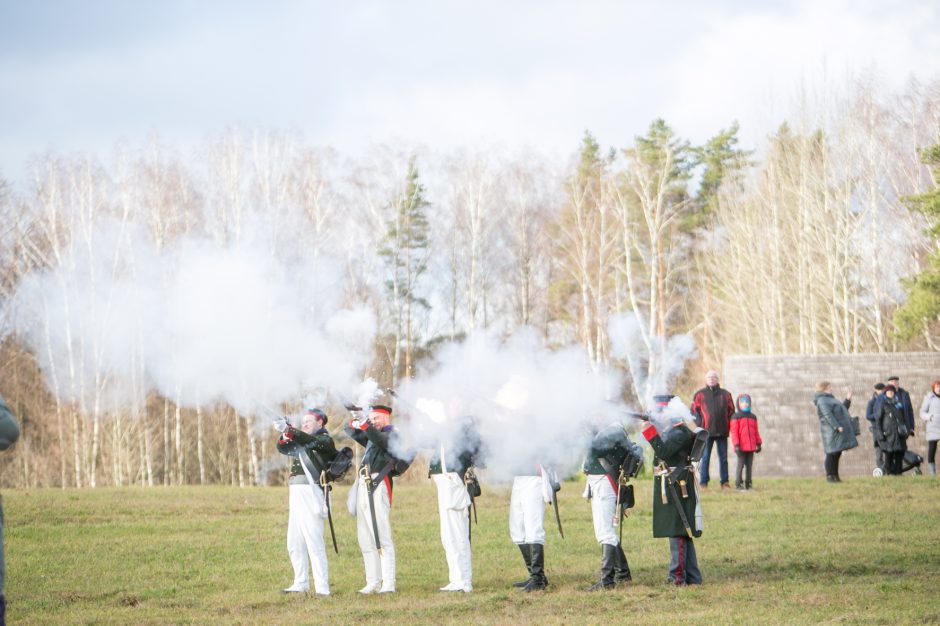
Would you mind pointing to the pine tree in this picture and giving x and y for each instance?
(921, 312)
(405, 252)
(722, 160)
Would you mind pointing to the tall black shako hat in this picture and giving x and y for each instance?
(318, 413)
(660, 402)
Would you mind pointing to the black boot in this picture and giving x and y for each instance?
(608, 564)
(831, 479)
(527, 557)
(621, 567)
(538, 581)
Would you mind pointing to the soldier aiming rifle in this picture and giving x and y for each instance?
(312, 450)
(373, 495)
(612, 459)
(676, 504)
(451, 468)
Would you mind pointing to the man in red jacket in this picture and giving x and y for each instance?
(713, 408)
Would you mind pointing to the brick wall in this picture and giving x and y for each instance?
(782, 390)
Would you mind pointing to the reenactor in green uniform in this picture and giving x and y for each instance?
(608, 449)
(676, 508)
(307, 498)
(448, 468)
(373, 498)
(9, 433)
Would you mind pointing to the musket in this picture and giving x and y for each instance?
(643, 417)
(364, 472)
(327, 487)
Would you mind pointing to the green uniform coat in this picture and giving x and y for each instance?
(610, 444)
(294, 442)
(673, 448)
(376, 441)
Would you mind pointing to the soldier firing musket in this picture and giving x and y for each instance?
(373, 495)
(451, 468)
(533, 486)
(676, 504)
(612, 459)
(312, 450)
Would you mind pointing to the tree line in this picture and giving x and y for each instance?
(822, 240)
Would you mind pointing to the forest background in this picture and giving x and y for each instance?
(822, 239)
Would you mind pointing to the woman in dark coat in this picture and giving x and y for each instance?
(834, 426)
(891, 430)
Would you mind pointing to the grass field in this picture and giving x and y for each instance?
(792, 551)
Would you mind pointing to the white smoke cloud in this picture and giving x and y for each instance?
(528, 404)
(200, 323)
(653, 362)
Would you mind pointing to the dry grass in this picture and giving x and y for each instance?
(793, 551)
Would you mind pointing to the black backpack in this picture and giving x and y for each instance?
(338, 467)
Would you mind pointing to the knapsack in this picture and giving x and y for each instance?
(337, 468)
(340, 464)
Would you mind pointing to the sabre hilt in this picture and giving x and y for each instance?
(365, 473)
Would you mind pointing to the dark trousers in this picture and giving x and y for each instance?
(722, 444)
(931, 451)
(745, 461)
(832, 463)
(893, 462)
(683, 564)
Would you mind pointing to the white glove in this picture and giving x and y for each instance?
(280, 425)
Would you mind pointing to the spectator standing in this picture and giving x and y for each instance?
(871, 410)
(891, 430)
(834, 426)
(930, 413)
(746, 439)
(904, 398)
(713, 407)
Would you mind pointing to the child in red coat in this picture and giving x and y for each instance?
(746, 440)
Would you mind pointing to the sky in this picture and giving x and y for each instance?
(83, 76)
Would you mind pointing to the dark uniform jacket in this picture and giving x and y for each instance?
(887, 425)
(375, 441)
(294, 442)
(610, 444)
(673, 448)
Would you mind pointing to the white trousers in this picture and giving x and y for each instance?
(380, 568)
(603, 509)
(305, 546)
(455, 531)
(527, 510)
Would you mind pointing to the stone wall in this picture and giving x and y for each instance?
(782, 390)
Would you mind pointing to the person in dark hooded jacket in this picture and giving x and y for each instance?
(746, 439)
(891, 430)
